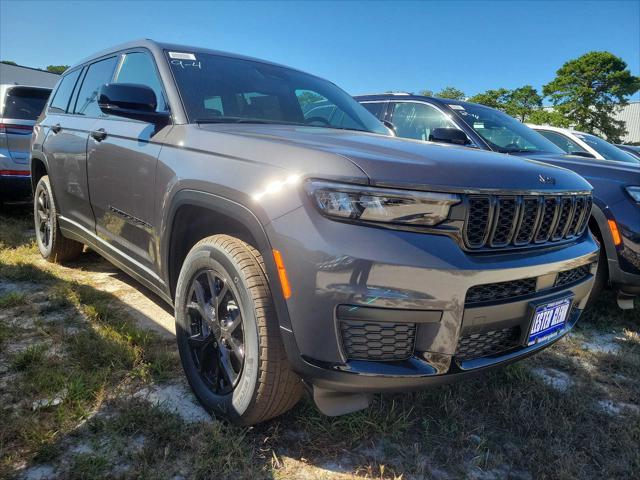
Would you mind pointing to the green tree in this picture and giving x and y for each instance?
(426, 93)
(8, 62)
(589, 89)
(57, 68)
(522, 102)
(548, 117)
(452, 93)
(492, 98)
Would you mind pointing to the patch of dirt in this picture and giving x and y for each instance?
(176, 398)
(556, 379)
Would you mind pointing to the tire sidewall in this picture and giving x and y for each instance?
(240, 400)
(44, 185)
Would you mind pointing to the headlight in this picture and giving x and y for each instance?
(367, 204)
(634, 192)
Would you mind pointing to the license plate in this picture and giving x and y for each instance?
(548, 320)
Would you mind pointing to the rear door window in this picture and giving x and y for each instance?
(61, 98)
(24, 103)
(97, 75)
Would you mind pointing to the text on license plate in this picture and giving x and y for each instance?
(548, 319)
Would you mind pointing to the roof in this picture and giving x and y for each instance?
(19, 75)
(630, 114)
(159, 47)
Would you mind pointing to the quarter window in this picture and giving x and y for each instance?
(63, 94)
(418, 120)
(98, 74)
(376, 108)
(138, 67)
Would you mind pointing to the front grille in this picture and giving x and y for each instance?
(477, 345)
(381, 341)
(491, 292)
(502, 221)
(572, 276)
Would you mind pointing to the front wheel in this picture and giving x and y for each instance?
(228, 334)
(53, 246)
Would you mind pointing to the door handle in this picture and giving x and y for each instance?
(56, 128)
(98, 135)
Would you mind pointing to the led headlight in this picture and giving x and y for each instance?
(383, 205)
(634, 192)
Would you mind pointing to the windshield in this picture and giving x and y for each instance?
(503, 133)
(219, 89)
(24, 103)
(607, 150)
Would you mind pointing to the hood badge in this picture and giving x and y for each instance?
(546, 180)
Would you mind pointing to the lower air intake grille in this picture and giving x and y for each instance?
(571, 276)
(477, 345)
(492, 292)
(380, 341)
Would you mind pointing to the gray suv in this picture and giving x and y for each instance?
(301, 250)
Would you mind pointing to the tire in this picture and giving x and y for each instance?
(228, 334)
(53, 246)
(602, 275)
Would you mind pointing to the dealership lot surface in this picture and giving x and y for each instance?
(91, 387)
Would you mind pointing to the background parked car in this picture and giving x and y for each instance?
(19, 107)
(616, 214)
(632, 149)
(584, 144)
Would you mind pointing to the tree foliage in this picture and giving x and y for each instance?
(57, 68)
(492, 98)
(426, 93)
(8, 62)
(522, 102)
(452, 93)
(589, 89)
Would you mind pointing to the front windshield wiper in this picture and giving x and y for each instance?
(516, 150)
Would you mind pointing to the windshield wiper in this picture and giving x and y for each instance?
(516, 150)
(233, 120)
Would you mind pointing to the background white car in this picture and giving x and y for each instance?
(584, 144)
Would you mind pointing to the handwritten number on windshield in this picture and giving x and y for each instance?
(187, 64)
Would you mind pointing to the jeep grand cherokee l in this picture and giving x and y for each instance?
(615, 219)
(301, 251)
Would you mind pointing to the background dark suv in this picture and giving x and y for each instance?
(615, 217)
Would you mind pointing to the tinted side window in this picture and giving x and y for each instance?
(138, 67)
(25, 103)
(418, 120)
(61, 98)
(376, 108)
(98, 74)
(561, 141)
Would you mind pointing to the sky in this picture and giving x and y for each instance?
(364, 47)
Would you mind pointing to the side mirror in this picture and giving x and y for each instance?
(449, 135)
(131, 100)
(391, 127)
(582, 154)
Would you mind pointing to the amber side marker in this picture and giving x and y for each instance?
(282, 273)
(613, 226)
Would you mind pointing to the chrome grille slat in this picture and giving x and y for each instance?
(501, 221)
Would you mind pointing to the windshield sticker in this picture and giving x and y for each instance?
(187, 64)
(456, 107)
(182, 56)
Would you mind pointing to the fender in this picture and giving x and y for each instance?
(598, 212)
(243, 215)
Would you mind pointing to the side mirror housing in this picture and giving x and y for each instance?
(131, 100)
(449, 135)
(391, 127)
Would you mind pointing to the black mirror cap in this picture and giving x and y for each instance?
(131, 100)
(391, 127)
(449, 135)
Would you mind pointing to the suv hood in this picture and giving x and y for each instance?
(407, 163)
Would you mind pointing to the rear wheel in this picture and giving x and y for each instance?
(228, 334)
(52, 244)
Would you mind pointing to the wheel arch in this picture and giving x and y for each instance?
(39, 168)
(194, 215)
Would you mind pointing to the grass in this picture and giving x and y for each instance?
(81, 347)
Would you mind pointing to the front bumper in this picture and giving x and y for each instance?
(332, 264)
